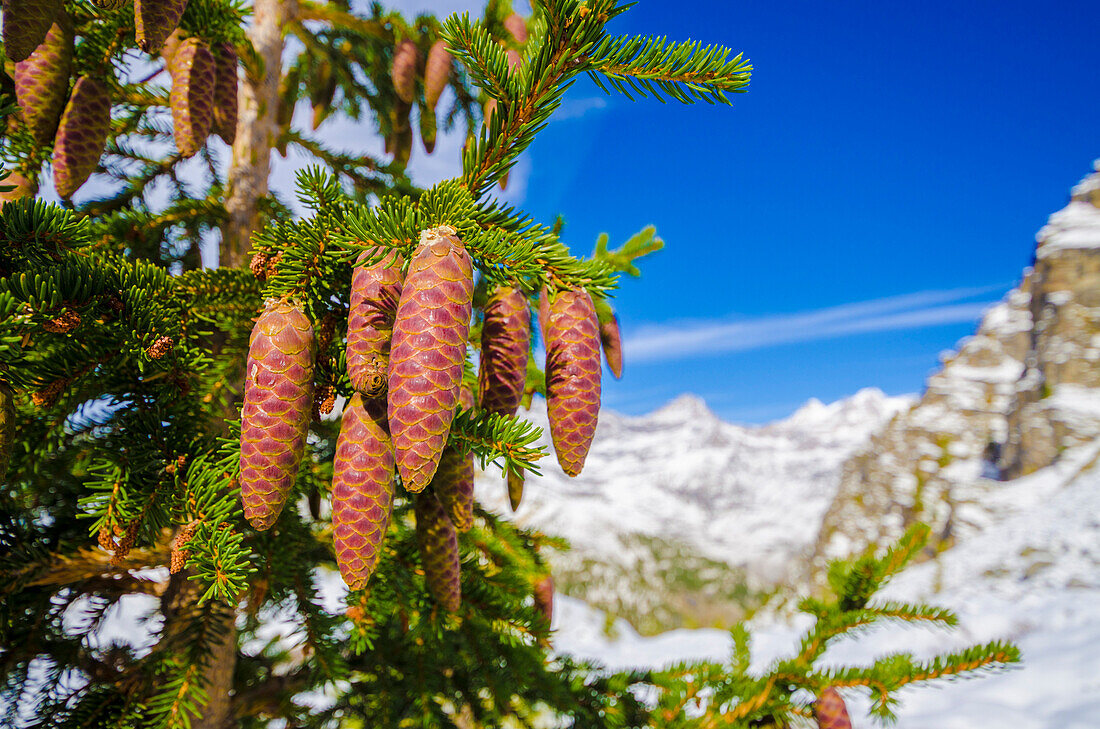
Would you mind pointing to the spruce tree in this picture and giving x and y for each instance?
(136, 484)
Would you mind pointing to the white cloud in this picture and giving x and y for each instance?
(683, 340)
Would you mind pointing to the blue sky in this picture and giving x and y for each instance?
(849, 218)
(844, 222)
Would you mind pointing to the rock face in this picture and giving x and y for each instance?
(1016, 395)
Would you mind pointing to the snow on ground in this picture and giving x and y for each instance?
(1032, 576)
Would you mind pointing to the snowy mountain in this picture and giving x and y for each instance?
(1016, 395)
(1031, 576)
(674, 519)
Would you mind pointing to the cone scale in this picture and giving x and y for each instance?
(375, 293)
(505, 345)
(427, 353)
(572, 376)
(362, 489)
(438, 551)
(278, 399)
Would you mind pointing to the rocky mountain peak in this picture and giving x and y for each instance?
(1013, 398)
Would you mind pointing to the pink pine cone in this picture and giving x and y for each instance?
(278, 400)
(81, 135)
(544, 597)
(225, 92)
(362, 489)
(438, 551)
(505, 345)
(375, 292)
(612, 344)
(437, 71)
(42, 80)
(154, 21)
(192, 95)
(572, 376)
(429, 349)
(26, 23)
(453, 485)
(831, 712)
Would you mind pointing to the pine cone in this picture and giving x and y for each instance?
(23, 187)
(516, 27)
(544, 597)
(171, 45)
(225, 92)
(278, 395)
(437, 71)
(155, 20)
(406, 57)
(572, 376)
(81, 136)
(7, 427)
(26, 23)
(362, 489)
(192, 96)
(428, 129)
(438, 551)
(375, 291)
(42, 80)
(453, 485)
(612, 344)
(466, 397)
(505, 345)
(515, 489)
(830, 711)
(429, 349)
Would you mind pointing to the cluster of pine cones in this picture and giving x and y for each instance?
(406, 347)
(39, 38)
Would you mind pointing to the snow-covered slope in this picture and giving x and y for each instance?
(1031, 575)
(669, 502)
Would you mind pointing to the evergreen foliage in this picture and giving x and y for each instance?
(121, 366)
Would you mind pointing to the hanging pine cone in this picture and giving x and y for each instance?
(7, 427)
(830, 711)
(225, 92)
(612, 343)
(278, 398)
(438, 551)
(322, 93)
(81, 135)
(572, 376)
(171, 45)
(429, 349)
(515, 489)
(42, 80)
(505, 345)
(375, 291)
(26, 23)
(155, 20)
(406, 58)
(428, 129)
(544, 597)
(437, 71)
(516, 27)
(192, 96)
(21, 185)
(362, 489)
(453, 485)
